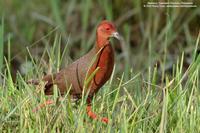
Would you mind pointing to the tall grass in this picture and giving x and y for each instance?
(1, 44)
(149, 108)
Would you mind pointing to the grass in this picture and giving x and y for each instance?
(172, 107)
(1, 44)
(155, 83)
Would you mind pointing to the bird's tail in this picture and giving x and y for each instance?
(33, 81)
(48, 78)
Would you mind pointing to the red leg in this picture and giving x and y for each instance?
(92, 115)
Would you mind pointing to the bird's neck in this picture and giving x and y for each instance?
(101, 41)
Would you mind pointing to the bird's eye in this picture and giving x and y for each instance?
(107, 28)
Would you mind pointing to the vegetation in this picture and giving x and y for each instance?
(155, 83)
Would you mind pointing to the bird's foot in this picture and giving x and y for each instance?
(93, 116)
(105, 120)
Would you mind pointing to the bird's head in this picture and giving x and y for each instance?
(105, 31)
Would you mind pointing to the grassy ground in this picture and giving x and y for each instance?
(155, 83)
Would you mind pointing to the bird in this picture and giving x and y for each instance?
(88, 73)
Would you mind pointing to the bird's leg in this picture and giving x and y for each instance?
(92, 115)
(48, 102)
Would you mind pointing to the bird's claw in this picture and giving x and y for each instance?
(93, 116)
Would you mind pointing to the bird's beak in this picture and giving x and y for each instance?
(116, 35)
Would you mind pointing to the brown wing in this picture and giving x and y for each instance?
(72, 77)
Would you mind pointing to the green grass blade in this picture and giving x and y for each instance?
(1, 43)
